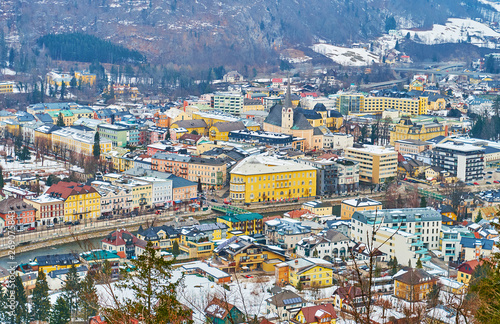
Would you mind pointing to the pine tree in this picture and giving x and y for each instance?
(21, 310)
(40, 307)
(315, 253)
(395, 266)
(63, 90)
(419, 264)
(71, 288)
(154, 297)
(299, 286)
(175, 249)
(61, 313)
(89, 301)
(97, 145)
(73, 83)
(423, 202)
(60, 120)
(479, 217)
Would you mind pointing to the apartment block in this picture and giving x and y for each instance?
(376, 163)
(465, 161)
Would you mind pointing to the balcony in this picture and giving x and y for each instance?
(418, 243)
(421, 251)
(418, 226)
(425, 258)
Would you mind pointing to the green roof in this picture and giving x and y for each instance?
(241, 217)
(82, 111)
(65, 112)
(99, 255)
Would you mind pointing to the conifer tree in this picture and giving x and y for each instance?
(2, 183)
(63, 90)
(21, 309)
(40, 307)
(61, 313)
(419, 264)
(88, 299)
(71, 288)
(60, 120)
(149, 278)
(175, 249)
(97, 145)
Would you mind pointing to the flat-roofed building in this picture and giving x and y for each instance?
(376, 163)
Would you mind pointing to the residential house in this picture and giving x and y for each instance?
(198, 241)
(465, 270)
(56, 279)
(161, 236)
(285, 305)
(219, 311)
(220, 130)
(316, 315)
(350, 206)
(310, 272)
(326, 245)
(349, 299)
(211, 273)
(48, 263)
(49, 209)
(16, 212)
(413, 285)
(248, 224)
(285, 232)
(210, 172)
(121, 241)
(475, 248)
(318, 207)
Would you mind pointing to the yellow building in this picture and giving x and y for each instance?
(119, 160)
(376, 163)
(162, 237)
(361, 104)
(263, 178)
(350, 206)
(57, 79)
(7, 87)
(252, 104)
(74, 140)
(406, 129)
(318, 208)
(48, 263)
(85, 77)
(141, 192)
(310, 272)
(413, 285)
(193, 126)
(465, 270)
(319, 314)
(81, 202)
(220, 130)
(67, 116)
(240, 254)
(247, 224)
(416, 85)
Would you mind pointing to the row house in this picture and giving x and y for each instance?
(176, 164)
(16, 212)
(114, 200)
(81, 202)
(327, 245)
(212, 173)
(49, 209)
(285, 232)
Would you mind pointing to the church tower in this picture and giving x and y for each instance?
(287, 110)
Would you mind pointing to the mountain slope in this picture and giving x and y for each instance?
(230, 32)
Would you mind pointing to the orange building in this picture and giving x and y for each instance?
(176, 164)
(281, 273)
(414, 285)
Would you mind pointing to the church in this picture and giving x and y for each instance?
(283, 118)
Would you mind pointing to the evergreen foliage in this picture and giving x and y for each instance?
(88, 299)
(21, 309)
(82, 47)
(97, 145)
(479, 217)
(423, 202)
(71, 288)
(149, 278)
(61, 313)
(40, 307)
(175, 249)
(60, 120)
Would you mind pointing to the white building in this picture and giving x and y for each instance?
(161, 191)
(408, 232)
(326, 245)
(338, 141)
(465, 161)
(376, 163)
(231, 103)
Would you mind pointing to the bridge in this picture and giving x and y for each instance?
(230, 209)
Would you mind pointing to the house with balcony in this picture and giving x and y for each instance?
(177, 164)
(122, 241)
(285, 305)
(449, 242)
(285, 232)
(326, 245)
(324, 314)
(95, 260)
(349, 299)
(247, 224)
(197, 241)
(238, 254)
(413, 285)
(475, 248)
(310, 272)
(162, 237)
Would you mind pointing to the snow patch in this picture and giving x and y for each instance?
(346, 56)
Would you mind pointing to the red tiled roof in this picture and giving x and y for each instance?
(66, 189)
(309, 94)
(298, 213)
(116, 238)
(265, 219)
(279, 80)
(313, 314)
(476, 235)
(469, 266)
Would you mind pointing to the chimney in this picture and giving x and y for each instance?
(296, 261)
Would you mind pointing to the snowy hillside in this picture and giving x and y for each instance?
(494, 4)
(456, 30)
(346, 56)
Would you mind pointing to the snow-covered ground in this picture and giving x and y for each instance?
(454, 31)
(346, 56)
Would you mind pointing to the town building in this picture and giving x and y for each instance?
(210, 172)
(211, 273)
(310, 272)
(197, 241)
(122, 241)
(320, 314)
(118, 135)
(475, 248)
(69, 139)
(465, 161)
(350, 206)
(411, 146)
(349, 299)
(360, 103)
(49, 209)
(48, 263)
(114, 199)
(81, 202)
(285, 305)
(376, 163)
(408, 130)
(417, 229)
(17, 213)
(231, 103)
(177, 164)
(222, 312)
(466, 269)
(220, 130)
(247, 224)
(263, 178)
(261, 137)
(326, 245)
(413, 285)
(285, 232)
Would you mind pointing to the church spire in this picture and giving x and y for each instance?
(288, 98)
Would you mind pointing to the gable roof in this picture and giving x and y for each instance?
(414, 277)
(313, 314)
(469, 266)
(285, 298)
(229, 126)
(193, 123)
(218, 308)
(65, 189)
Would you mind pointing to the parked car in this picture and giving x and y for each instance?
(31, 228)
(213, 200)
(50, 225)
(68, 223)
(496, 181)
(487, 182)
(248, 276)
(476, 184)
(76, 223)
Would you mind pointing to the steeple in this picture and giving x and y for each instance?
(288, 98)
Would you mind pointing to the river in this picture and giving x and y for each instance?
(73, 247)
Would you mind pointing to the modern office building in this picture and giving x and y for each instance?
(465, 161)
